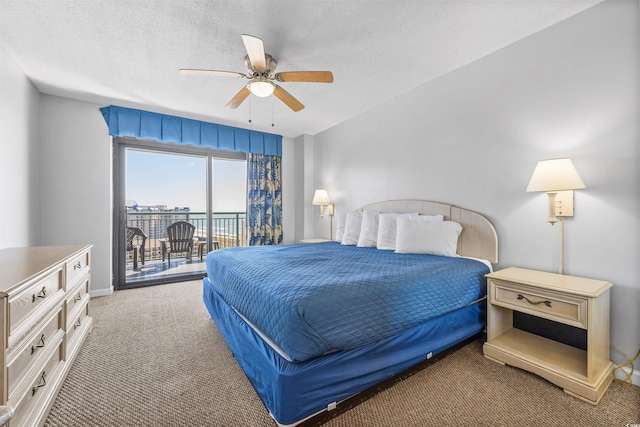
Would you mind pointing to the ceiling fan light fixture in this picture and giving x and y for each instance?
(261, 73)
(261, 87)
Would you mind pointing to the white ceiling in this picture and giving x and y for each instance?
(128, 52)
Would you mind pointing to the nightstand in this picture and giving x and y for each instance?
(319, 240)
(575, 301)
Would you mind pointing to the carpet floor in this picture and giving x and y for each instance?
(155, 358)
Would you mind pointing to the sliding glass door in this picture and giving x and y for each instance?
(175, 204)
(229, 195)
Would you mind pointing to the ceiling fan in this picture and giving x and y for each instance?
(261, 74)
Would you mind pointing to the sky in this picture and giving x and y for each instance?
(180, 181)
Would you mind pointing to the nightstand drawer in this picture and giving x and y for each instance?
(539, 302)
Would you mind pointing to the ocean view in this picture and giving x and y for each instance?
(227, 227)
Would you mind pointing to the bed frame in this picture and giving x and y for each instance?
(477, 240)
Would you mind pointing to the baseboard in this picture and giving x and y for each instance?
(635, 375)
(101, 292)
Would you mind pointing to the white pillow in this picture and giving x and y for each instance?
(341, 220)
(387, 229)
(369, 230)
(430, 218)
(427, 237)
(352, 228)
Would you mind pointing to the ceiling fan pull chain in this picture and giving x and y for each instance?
(250, 104)
(272, 125)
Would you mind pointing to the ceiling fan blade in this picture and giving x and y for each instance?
(240, 96)
(288, 99)
(255, 51)
(215, 73)
(305, 76)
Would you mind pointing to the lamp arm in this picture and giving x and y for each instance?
(331, 227)
(552, 207)
(330, 212)
(561, 244)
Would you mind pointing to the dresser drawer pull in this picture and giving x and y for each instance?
(41, 294)
(43, 382)
(547, 302)
(78, 297)
(35, 347)
(77, 266)
(77, 324)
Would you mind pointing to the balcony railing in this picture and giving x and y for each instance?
(227, 230)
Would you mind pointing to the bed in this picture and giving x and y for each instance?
(313, 325)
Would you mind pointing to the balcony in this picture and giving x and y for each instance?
(227, 231)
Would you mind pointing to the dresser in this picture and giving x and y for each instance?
(565, 300)
(44, 310)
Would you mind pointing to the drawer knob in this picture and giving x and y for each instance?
(78, 297)
(41, 294)
(77, 324)
(546, 302)
(77, 266)
(37, 346)
(43, 382)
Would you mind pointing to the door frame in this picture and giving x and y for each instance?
(120, 144)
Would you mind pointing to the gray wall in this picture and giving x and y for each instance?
(473, 137)
(76, 196)
(19, 157)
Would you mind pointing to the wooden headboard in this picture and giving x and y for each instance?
(478, 238)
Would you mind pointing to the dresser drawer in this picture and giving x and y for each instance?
(39, 389)
(76, 298)
(540, 302)
(76, 266)
(77, 324)
(31, 352)
(36, 298)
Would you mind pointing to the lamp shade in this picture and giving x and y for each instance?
(555, 175)
(321, 197)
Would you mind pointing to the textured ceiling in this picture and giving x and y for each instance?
(128, 52)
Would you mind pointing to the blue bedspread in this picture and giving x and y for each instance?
(311, 299)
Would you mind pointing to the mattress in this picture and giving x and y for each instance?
(293, 391)
(315, 299)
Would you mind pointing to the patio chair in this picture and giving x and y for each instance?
(135, 245)
(202, 247)
(180, 239)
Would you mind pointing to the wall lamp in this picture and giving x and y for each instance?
(321, 198)
(558, 178)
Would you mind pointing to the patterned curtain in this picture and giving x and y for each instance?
(264, 200)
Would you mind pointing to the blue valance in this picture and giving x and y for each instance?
(161, 127)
